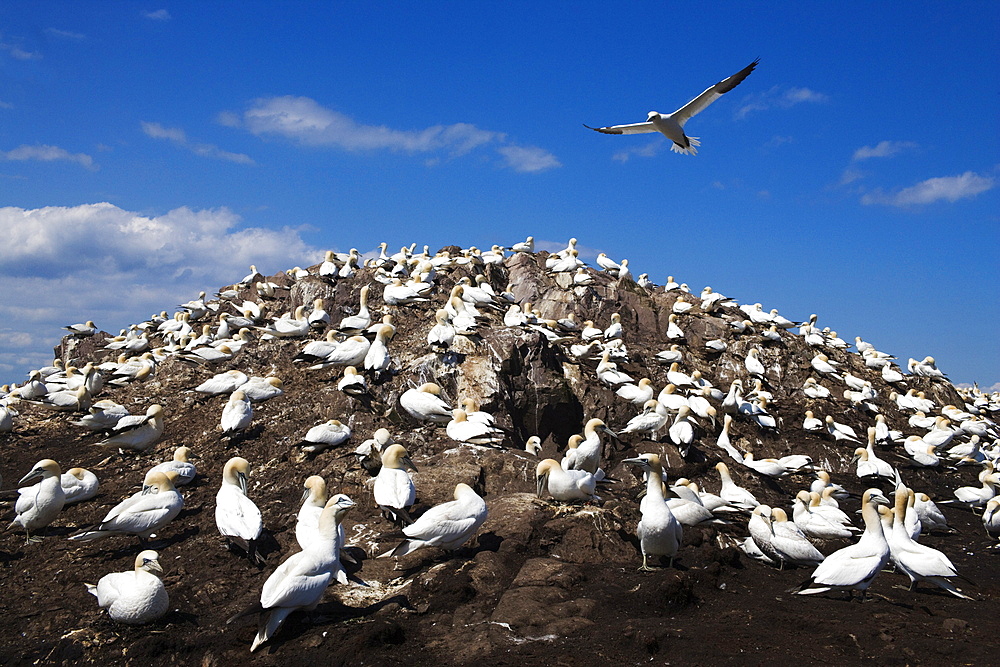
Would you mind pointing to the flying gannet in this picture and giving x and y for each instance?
(672, 125)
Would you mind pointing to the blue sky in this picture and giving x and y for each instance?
(148, 151)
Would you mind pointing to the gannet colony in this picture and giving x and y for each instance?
(501, 455)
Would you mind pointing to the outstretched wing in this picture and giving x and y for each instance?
(712, 93)
(634, 128)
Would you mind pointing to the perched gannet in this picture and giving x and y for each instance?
(659, 532)
(323, 436)
(352, 383)
(724, 441)
(300, 581)
(789, 542)
(223, 383)
(753, 364)
(362, 319)
(840, 431)
(82, 330)
(533, 445)
(973, 496)
(681, 432)
(314, 500)
(446, 526)
(424, 404)
(180, 464)
(393, 489)
(369, 452)
(528, 245)
(133, 597)
(814, 389)
(137, 432)
(463, 429)
(350, 352)
(672, 125)
(731, 492)
(442, 335)
(816, 524)
(143, 513)
(236, 516)
(37, 507)
(78, 484)
(378, 359)
(991, 518)
(822, 482)
(652, 418)
(870, 469)
(854, 567)
(930, 515)
(564, 485)
(237, 414)
(259, 389)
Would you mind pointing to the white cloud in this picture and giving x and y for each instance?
(530, 159)
(45, 153)
(179, 138)
(305, 121)
(948, 188)
(18, 53)
(882, 149)
(55, 32)
(6, 105)
(649, 150)
(158, 15)
(778, 98)
(99, 262)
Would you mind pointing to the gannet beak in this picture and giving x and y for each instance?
(407, 463)
(153, 565)
(879, 499)
(540, 483)
(34, 474)
(610, 432)
(635, 461)
(243, 482)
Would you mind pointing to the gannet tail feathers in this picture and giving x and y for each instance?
(397, 515)
(405, 547)
(269, 624)
(690, 149)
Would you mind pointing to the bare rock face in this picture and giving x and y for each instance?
(541, 582)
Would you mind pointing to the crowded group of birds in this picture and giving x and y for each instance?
(719, 421)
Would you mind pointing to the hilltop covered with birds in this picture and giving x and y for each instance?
(556, 461)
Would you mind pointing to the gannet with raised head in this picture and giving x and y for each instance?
(659, 532)
(39, 506)
(393, 489)
(135, 597)
(237, 517)
(300, 581)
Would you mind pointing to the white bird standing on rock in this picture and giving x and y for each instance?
(672, 125)
(446, 526)
(236, 516)
(135, 597)
(564, 485)
(39, 506)
(393, 489)
(300, 581)
(659, 532)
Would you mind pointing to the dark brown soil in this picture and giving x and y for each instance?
(541, 584)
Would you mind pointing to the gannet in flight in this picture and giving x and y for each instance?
(672, 125)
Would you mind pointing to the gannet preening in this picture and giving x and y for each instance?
(672, 125)
(78, 484)
(236, 516)
(659, 532)
(237, 414)
(137, 433)
(854, 567)
(424, 404)
(369, 452)
(143, 513)
(564, 485)
(323, 436)
(180, 464)
(299, 582)
(393, 489)
(133, 597)
(446, 526)
(39, 506)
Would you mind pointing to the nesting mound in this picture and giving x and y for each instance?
(541, 582)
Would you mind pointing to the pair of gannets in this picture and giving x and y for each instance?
(39, 505)
(780, 539)
(236, 516)
(300, 581)
(585, 452)
(133, 597)
(446, 526)
(462, 428)
(143, 513)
